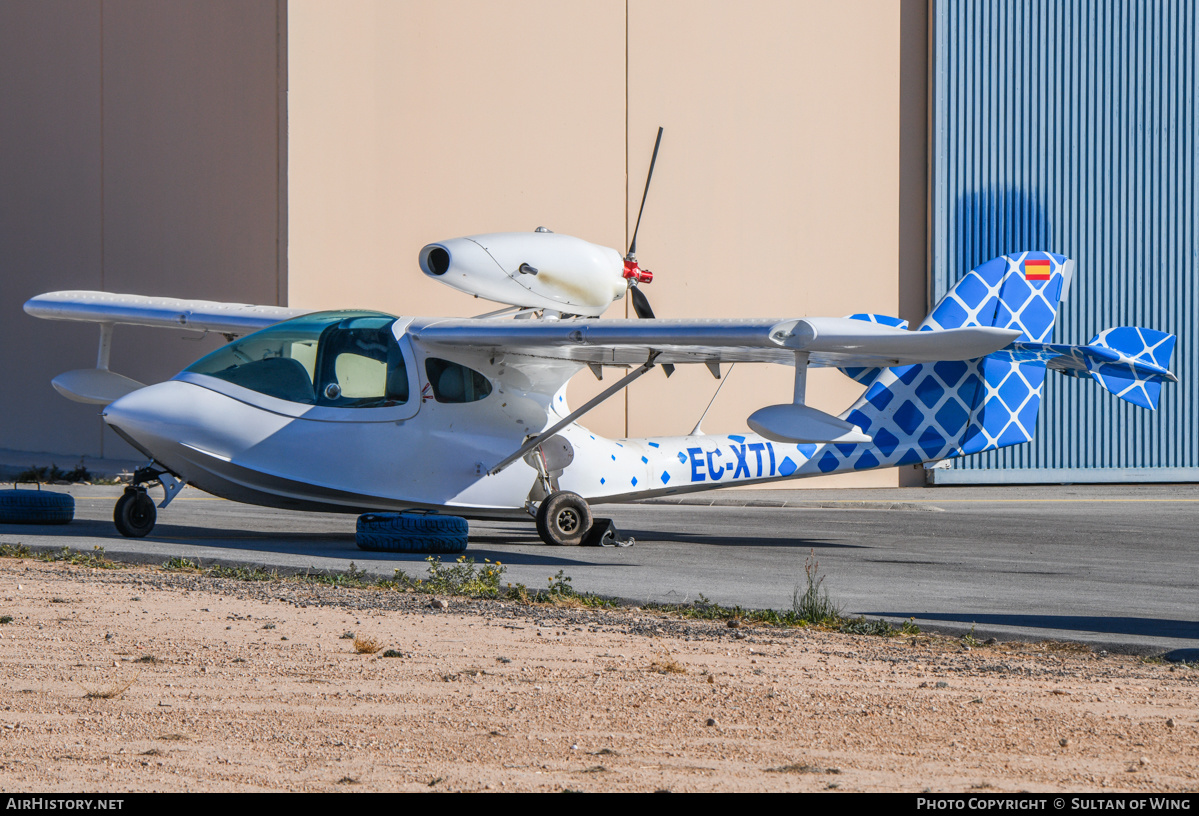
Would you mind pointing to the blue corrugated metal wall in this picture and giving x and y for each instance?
(1070, 126)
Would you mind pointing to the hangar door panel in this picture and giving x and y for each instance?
(1071, 127)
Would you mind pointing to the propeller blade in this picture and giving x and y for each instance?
(640, 303)
(653, 160)
(642, 308)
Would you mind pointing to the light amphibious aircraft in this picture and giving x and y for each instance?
(358, 411)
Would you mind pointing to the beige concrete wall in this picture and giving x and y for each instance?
(50, 215)
(777, 190)
(411, 122)
(141, 154)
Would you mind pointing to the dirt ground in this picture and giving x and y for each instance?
(142, 680)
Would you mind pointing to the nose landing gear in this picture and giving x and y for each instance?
(134, 514)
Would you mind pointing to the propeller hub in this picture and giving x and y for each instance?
(635, 273)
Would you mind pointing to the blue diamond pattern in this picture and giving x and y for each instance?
(929, 391)
(865, 461)
(1013, 391)
(950, 313)
(908, 417)
(827, 463)
(879, 396)
(886, 442)
(971, 290)
(950, 371)
(931, 442)
(952, 417)
(856, 417)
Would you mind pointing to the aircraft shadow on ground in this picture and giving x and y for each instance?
(481, 543)
(736, 541)
(325, 544)
(1146, 627)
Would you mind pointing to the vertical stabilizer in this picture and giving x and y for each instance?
(939, 410)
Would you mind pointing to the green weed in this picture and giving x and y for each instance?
(181, 565)
(463, 577)
(812, 604)
(15, 551)
(96, 558)
(861, 626)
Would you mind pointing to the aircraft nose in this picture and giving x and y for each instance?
(142, 417)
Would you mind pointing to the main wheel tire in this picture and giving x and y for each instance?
(563, 519)
(411, 533)
(35, 507)
(134, 514)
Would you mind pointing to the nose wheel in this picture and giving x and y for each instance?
(563, 519)
(134, 514)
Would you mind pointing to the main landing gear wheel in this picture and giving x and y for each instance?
(134, 514)
(563, 519)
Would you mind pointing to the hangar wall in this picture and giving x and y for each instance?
(141, 154)
(777, 191)
(1072, 127)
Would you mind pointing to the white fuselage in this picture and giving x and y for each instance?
(243, 445)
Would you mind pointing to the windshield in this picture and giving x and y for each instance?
(339, 359)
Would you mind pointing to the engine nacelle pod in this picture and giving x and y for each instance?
(533, 270)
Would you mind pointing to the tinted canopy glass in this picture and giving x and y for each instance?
(338, 359)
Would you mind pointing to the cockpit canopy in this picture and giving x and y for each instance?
(344, 359)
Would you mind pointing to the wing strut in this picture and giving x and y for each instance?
(587, 406)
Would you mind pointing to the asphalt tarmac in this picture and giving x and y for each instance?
(1111, 566)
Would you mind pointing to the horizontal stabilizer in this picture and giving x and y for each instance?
(796, 422)
(1139, 365)
(1129, 361)
(95, 386)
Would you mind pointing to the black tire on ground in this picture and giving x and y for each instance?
(563, 519)
(134, 514)
(411, 533)
(35, 507)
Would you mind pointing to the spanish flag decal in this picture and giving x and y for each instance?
(1038, 270)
